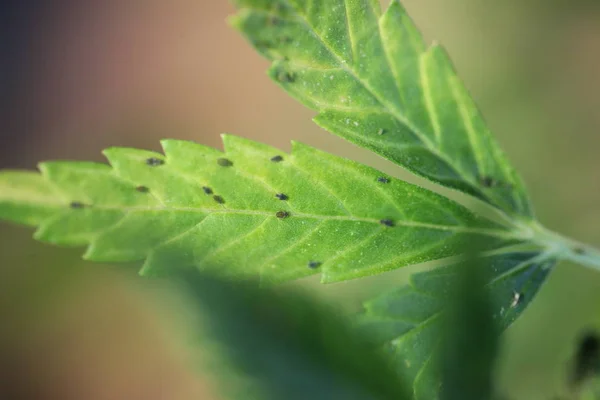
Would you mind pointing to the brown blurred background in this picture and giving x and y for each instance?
(81, 75)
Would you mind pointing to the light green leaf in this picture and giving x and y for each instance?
(197, 206)
(268, 345)
(375, 83)
(408, 321)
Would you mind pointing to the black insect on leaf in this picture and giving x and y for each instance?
(154, 162)
(282, 214)
(314, 264)
(387, 222)
(219, 199)
(224, 162)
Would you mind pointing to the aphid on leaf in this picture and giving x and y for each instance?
(142, 189)
(387, 222)
(277, 159)
(154, 162)
(273, 20)
(488, 181)
(77, 205)
(282, 196)
(224, 162)
(517, 299)
(383, 179)
(314, 264)
(286, 77)
(207, 190)
(282, 214)
(219, 199)
(381, 131)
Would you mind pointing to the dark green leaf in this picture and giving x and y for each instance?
(270, 345)
(470, 333)
(409, 321)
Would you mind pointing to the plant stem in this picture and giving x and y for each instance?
(563, 247)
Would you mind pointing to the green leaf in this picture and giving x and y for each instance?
(409, 321)
(470, 333)
(375, 83)
(196, 206)
(263, 344)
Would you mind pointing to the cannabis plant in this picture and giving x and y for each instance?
(253, 213)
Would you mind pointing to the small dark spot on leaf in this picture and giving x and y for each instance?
(579, 250)
(386, 222)
(273, 20)
(282, 214)
(314, 264)
(383, 179)
(207, 190)
(77, 205)
(154, 162)
(219, 199)
(286, 77)
(517, 299)
(487, 181)
(224, 162)
(142, 189)
(381, 131)
(281, 196)
(263, 45)
(277, 159)
(285, 39)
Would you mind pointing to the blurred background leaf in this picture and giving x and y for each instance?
(274, 345)
(470, 333)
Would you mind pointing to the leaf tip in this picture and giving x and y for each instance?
(298, 146)
(229, 140)
(111, 154)
(235, 21)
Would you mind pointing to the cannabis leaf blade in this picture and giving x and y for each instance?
(375, 83)
(250, 211)
(265, 345)
(407, 321)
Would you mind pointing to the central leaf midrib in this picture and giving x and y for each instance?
(458, 229)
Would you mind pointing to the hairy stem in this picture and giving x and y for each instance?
(564, 248)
